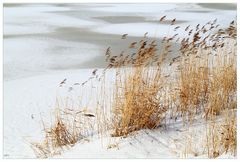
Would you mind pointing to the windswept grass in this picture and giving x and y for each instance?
(150, 88)
(207, 79)
(139, 94)
(221, 136)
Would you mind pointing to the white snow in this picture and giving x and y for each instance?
(44, 55)
(31, 96)
(32, 19)
(136, 9)
(160, 30)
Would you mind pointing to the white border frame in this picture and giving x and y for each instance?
(113, 1)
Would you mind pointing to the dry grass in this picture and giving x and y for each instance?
(194, 86)
(138, 100)
(58, 136)
(221, 136)
(207, 79)
(222, 91)
(207, 83)
(191, 145)
(228, 132)
(68, 127)
(144, 94)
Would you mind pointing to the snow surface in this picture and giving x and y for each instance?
(172, 11)
(43, 56)
(133, 8)
(27, 97)
(32, 19)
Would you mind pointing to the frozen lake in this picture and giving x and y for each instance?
(45, 38)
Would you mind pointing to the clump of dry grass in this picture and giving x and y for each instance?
(221, 136)
(194, 86)
(206, 63)
(138, 100)
(68, 127)
(207, 83)
(207, 79)
(60, 135)
(222, 92)
(228, 139)
(216, 137)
